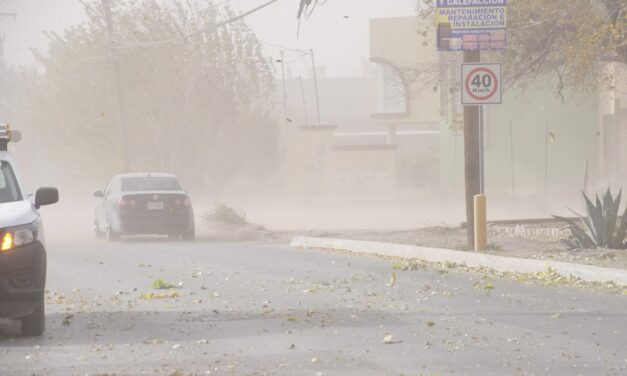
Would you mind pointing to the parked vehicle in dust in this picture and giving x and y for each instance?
(22, 248)
(144, 204)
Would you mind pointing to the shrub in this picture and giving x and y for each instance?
(602, 226)
(223, 214)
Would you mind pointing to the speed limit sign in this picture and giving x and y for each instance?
(481, 83)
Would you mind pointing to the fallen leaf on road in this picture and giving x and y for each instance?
(388, 339)
(556, 316)
(291, 318)
(430, 323)
(66, 320)
(314, 359)
(160, 284)
(163, 295)
(392, 280)
(155, 341)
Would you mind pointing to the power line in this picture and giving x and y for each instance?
(206, 29)
(285, 48)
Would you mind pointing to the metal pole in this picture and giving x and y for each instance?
(471, 155)
(106, 5)
(284, 89)
(302, 93)
(315, 77)
(511, 157)
(481, 150)
(2, 35)
(546, 160)
(585, 176)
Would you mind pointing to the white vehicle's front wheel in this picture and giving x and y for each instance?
(35, 323)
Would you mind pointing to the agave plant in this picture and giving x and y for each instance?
(602, 225)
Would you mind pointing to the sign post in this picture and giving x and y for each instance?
(472, 26)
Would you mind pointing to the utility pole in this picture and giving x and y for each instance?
(2, 36)
(472, 144)
(302, 94)
(106, 6)
(315, 77)
(2, 64)
(284, 88)
(480, 85)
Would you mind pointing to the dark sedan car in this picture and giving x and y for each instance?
(143, 204)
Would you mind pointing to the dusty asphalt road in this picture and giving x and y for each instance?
(259, 309)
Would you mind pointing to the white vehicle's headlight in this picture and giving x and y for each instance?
(18, 236)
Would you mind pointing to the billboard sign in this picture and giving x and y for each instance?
(471, 24)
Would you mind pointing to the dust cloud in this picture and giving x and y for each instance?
(154, 86)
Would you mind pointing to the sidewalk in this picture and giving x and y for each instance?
(471, 259)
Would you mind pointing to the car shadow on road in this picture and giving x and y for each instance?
(178, 326)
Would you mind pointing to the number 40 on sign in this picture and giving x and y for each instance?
(481, 83)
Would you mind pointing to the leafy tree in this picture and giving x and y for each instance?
(566, 38)
(198, 98)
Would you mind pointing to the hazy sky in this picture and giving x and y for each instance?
(338, 30)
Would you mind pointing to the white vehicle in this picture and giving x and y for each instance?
(22, 250)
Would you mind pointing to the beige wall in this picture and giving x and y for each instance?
(361, 169)
(399, 41)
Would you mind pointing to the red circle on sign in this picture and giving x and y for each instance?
(494, 79)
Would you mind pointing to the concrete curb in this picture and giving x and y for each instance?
(499, 263)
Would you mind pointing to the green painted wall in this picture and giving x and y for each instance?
(525, 118)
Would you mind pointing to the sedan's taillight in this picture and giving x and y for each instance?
(183, 202)
(124, 202)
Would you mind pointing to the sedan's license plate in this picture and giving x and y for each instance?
(155, 206)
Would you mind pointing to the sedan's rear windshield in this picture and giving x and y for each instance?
(9, 190)
(150, 184)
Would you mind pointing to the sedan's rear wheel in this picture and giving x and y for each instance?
(189, 236)
(35, 323)
(112, 236)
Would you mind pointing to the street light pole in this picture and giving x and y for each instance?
(284, 89)
(106, 6)
(315, 77)
(302, 94)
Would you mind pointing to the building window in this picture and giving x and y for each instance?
(391, 90)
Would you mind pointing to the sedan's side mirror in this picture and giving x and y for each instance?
(98, 194)
(46, 196)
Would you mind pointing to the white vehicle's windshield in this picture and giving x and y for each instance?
(9, 189)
